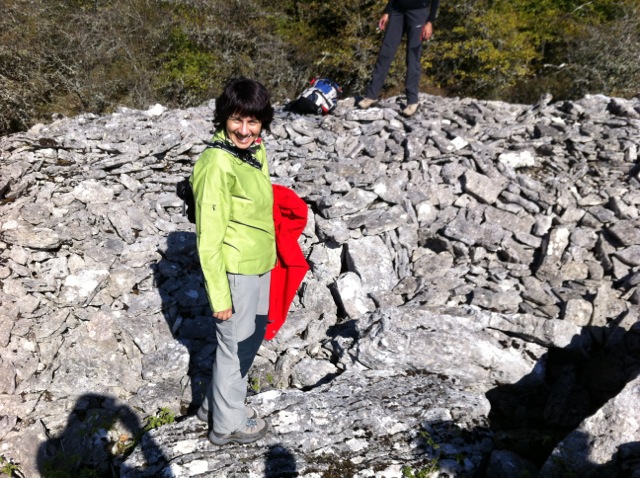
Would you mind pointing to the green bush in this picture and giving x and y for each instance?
(516, 50)
(72, 56)
(8, 467)
(340, 40)
(484, 51)
(185, 71)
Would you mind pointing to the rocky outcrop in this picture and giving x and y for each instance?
(605, 444)
(472, 298)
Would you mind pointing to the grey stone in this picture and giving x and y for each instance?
(92, 191)
(629, 255)
(370, 259)
(353, 298)
(354, 201)
(530, 210)
(486, 235)
(596, 447)
(484, 188)
(497, 301)
(578, 311)
(310, 373)
(509, 221)
(627, 232)
(389, 219)
(413, 339)
(301, 439)
(554, 245)
(33, 237)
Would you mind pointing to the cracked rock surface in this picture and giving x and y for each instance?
(471, 308)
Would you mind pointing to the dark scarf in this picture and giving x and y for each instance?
(245, 155)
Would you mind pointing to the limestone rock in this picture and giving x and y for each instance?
(477, 248)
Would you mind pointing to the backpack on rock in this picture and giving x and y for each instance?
(320, 98)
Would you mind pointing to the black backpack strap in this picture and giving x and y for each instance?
(244, 155)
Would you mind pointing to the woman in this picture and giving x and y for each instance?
(236, 246)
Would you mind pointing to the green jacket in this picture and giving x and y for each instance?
(234, 219)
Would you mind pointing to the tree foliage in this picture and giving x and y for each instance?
(483, 49)
(603, 59)
(514, 49)
(71, 56)
(341, 36)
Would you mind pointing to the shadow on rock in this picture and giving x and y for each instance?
(99, 435)
(180, 283)
(280, 463)
(531, 417)
(571, 458)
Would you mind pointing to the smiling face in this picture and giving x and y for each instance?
(243, 130)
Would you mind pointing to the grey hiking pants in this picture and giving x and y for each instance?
(400, 23)
(239, 339)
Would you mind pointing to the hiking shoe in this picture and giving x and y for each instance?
(253, 430)
(367, 103)
(203, 415)
(410, 110)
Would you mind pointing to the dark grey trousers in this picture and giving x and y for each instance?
(409, 23)
(239, 339)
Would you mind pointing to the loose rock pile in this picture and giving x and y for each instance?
(473, 293)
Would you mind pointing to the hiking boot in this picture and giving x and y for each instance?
(253, 430)
(410, 110)
(367, 103)
(203, 415)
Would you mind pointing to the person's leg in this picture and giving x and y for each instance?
(248, 347)
(390, 42)
(239, 339)
(414, 21)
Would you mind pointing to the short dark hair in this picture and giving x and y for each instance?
(245, 97)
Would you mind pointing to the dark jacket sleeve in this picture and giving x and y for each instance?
(433, 12)
(404, 5)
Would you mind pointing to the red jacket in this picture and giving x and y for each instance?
(290, 218)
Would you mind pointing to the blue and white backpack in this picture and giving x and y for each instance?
(320, 98)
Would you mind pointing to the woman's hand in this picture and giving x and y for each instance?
(382, 24)
(223, 314)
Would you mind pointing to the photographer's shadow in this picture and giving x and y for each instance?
(178, 278)
(100, 433)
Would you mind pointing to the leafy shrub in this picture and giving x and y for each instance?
(517, 50)
(8, 467)
(605, 59)
(338, 40)
(72, 56)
